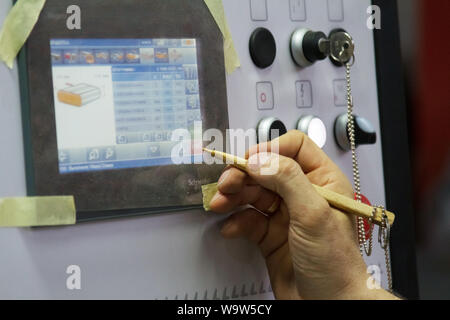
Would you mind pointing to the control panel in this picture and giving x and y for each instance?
(292, 76)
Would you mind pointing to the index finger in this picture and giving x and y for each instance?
(315, 163)
(298, 146)
(233, 180)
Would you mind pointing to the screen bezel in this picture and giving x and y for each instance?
(78, 68)
(149, 188)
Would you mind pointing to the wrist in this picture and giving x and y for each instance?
(359, 289)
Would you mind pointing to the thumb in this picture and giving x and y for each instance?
(285, 177)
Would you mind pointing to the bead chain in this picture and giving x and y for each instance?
(363, 245)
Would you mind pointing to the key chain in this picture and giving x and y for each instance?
(341, 48)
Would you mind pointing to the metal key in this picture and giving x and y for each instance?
(339, 46)
(342, 47)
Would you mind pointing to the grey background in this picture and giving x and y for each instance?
(432, 209)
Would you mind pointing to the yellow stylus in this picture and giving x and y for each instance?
(335, 200)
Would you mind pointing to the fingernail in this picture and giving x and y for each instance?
(257, 161)
(223, 177)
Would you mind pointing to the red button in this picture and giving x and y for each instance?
(366, 222)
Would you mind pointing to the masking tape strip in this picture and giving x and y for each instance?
(37, 211)
(231, 57)
(209, 191)
(17, 27)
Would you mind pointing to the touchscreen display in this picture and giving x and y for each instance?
(118, 101)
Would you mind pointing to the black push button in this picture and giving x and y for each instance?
(364, 132)
(263, 48)
(269, 129)
(311, 46)
(277, 129)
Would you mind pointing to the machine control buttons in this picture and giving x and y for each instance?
(364, 132)
(269, 129)
(311, 46)
(258, 10)
(305, 47)
(264, 95)
(263, 48)
(304, 94)
(308, 46)
(314, 128)
(342, 47)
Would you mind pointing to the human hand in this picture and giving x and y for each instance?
(311, 250)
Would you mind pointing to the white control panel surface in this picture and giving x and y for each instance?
(181, 255)
(290, 93)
